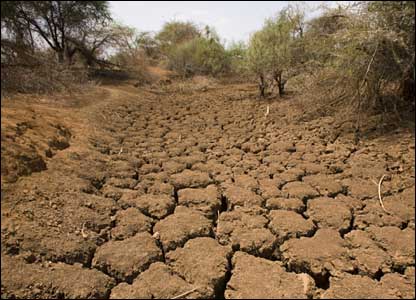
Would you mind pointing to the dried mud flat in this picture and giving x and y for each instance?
(197, 194)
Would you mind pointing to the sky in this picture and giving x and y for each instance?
(233, 20)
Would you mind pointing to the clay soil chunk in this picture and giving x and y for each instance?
(202, 262)
(399, 244)
(357, 287)
(190, 179)
(300, 190)
(181, 226)
(58, 280)
(288, 224)
(157, 282)
(246, 182)
(258, 278)
(286, 203)
(325, 185)
(206, 200)
(325, 252)
(245, 231)
(329, 213)
(125, 259)
(155, 206)
(401, 284)
(270, 187)
(369, 258)
(129, 222)
(238, 196)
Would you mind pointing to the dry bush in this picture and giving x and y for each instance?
(355, 66)
(41, 75)
(135, 64)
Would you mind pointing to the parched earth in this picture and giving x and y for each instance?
(183, 192)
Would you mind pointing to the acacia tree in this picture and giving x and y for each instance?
(270, 51)
(57, 22)
(258, 60)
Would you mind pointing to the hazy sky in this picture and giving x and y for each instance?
(232, 20)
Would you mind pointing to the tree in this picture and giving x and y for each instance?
(175, 33)
(58, 22)
(270, 51)
(203, 55)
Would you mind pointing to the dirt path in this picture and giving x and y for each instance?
(195, 193)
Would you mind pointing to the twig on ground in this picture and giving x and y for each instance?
(379, 194)
(121, 151)
(84, 235)
(267, 111)
(185, 294)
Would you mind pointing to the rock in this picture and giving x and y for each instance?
(129, 222)
(190, 179)
(289, 224)
(126, 259)
(206, 200)
(155, 206)
(181, 226)
(329, 213)
(299, 190)
(325, 252)
(202, 262)
(258, 278)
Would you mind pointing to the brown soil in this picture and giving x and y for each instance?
(189, 189)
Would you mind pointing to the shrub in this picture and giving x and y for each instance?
(199, 56)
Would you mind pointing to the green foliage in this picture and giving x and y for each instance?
(203, 55)
(271, 50)
(237, 56)
(53, 22)
(175, 33)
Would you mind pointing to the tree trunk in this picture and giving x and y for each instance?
(262, 86)
(407, 86)
(61, 56)
(280, 83)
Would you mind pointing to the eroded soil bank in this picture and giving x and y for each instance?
(195, 193)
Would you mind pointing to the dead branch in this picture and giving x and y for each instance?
(185, 293)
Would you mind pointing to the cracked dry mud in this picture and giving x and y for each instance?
(198, 194)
